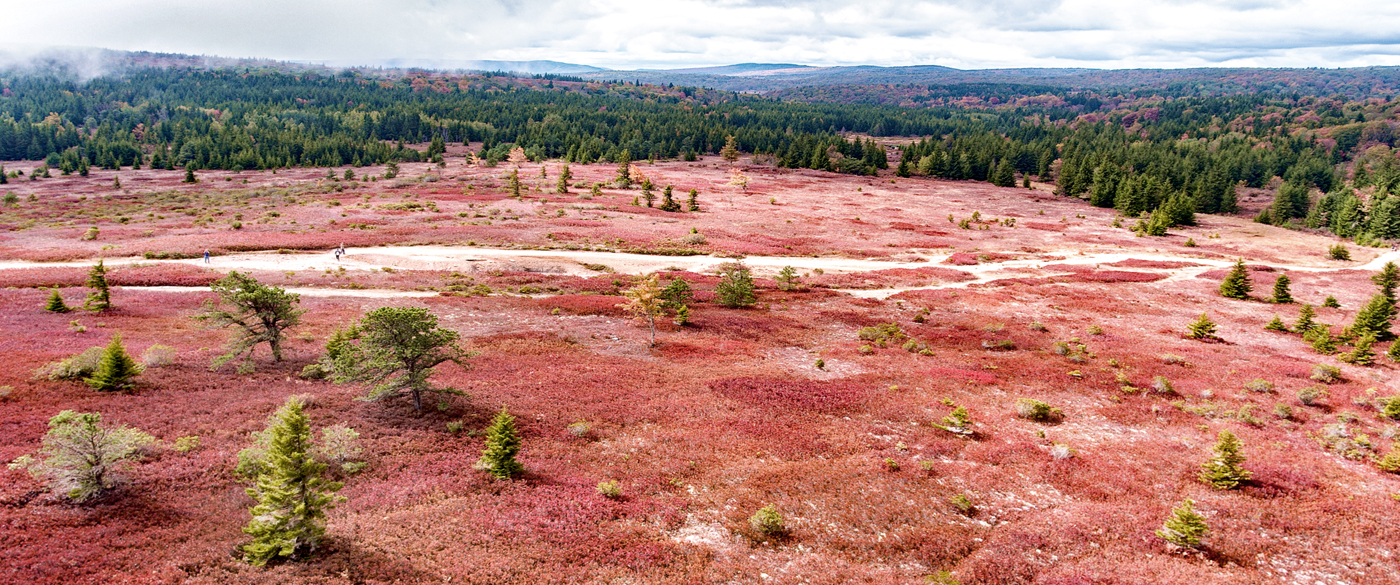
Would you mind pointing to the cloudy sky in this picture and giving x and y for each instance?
(630, 34)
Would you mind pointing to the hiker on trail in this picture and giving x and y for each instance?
(337, 254)
(206, 256)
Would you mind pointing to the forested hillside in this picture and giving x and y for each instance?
(1134, 153)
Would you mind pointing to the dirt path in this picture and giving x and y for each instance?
(589, 263)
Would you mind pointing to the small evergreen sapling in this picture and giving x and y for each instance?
(735, 288)
(1361, 353)
(693, 201)
(1202, 328)
(1393, 352)
(502, 444)
(1305, 321)
(768, 522)
(55, 304)
(1236, 284)
(958, 422)
(1224, 470)
(289, 518)
(100, 299)
(1331, 302)
(1185, 527)
(1276, 325)
(1281, 293)
(787, 278)
(116, 370)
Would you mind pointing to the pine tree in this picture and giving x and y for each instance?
(1305, 321)
(1223, 470)
(1375, 318)
(730, 152)
(787, 278)
(1236, 284)
(292, 495)
(189, 175)
(564, 176)
(116, 370)
(1276, 325)
(1281, 293)
(513, 183)
(646, 302)
(1185, 528)
(1004, 175)
(735, 288)
(502, 444)
(668, 201)
(693, 201)
(1202, 328)
(56, 303)
(1361, 353)
(1331, 302)
(100, 299)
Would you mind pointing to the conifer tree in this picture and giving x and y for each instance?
(1276, 325)
(55, 303)
(1361, 353)
(1223, 470)
(81, 457)
(1236, 284)
(1305, 321)
(189, 175)
(258, 313)
(668, 201)
(513, 183)
(502, 444)
(564, 176)
(735, 288)
(1387, 279)
(1185, 527)
(1375, 318)
(1331, 302)
(1393, 352)
(1202, 328)
(645, 302)
(1281, 292)
(787, 278)
(730, 152)
(100, 299)
(289, 518)
(116, 370)
(693, 200)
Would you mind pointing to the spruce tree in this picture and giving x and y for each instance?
(1305, 321)
(735, 288)
(1393, 352)
(1236, 284)
(1202, 328)
(1375, 318)
(292, 495)
(1223, 470)
(513, 183)
(189, 175)
(1361, 353)
(116, 370)
(502, 444)
(56, 303)
(1276, 325)
(1387, 279)
(1331, 302)
(1281, 293)
(100, 299)
(564, 176)
(693, 201)
(1185, 527)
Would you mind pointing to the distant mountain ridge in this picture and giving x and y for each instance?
(779, 79)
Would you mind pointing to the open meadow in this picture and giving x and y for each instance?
(828, 398)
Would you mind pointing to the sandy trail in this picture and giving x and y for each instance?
(468, 259)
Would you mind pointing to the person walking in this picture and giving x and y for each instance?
(206, 256)
(337, 254)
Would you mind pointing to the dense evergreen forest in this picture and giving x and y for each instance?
(1160, 158)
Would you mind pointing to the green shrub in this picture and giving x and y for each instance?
(1161, 385)
(1185, 527)
(958, 422)
(1032, 409)
(1390, 407)
(157, 356)
(882, 334)
(1224, 470)
(610, 489)
(74, 368)
(735, 288)
(186, 444)
(1202, 328)
(1312, 395)
(767, 522)
(963, 504)
(81, 457)
(1327, 374)
(1338, 252)
(1259, 385)
(1283, 411)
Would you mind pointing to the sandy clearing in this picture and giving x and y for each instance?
(574, 262)
(371, 293)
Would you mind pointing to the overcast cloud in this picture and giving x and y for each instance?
(629, 34)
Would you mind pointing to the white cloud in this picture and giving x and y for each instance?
(688, 33)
